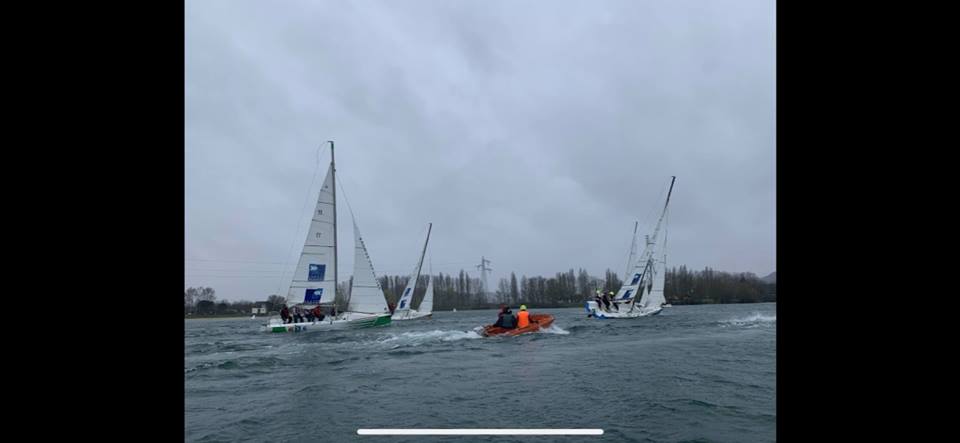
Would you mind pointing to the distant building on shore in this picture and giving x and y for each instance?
(259, 307)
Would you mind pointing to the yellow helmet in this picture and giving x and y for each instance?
(523, 307)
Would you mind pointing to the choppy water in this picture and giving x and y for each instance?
(692, 373)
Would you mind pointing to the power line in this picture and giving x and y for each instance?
(278, 263)
(483, 274)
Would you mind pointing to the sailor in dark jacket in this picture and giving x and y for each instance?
(507, 320)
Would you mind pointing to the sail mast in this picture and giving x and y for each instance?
(649, 269)
(662, 214)
(422, 254)
(648, 252)
(336, 264)
(633, 251)
(641, 286)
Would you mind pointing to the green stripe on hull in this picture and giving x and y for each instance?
(371, 322)
(382, 320)
(288, 328)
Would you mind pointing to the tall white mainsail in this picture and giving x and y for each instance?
(314, 280)
(366, 295)
(636, 280)
(406, 298)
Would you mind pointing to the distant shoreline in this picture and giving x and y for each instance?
(210, 317)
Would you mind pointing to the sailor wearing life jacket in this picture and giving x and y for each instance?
(523, 317)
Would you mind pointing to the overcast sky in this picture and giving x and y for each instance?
(531, 132)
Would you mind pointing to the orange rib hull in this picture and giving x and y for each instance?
(537, 321)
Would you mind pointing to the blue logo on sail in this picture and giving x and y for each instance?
(316, 272)
(627, 294)
(313, 295)
(636, 279)
(403, 303)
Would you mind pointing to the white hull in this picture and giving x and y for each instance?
(594, 311)
(410, 314)
(347, 320)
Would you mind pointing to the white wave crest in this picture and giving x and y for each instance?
(753, 320)
(554, 329)
(421, 337)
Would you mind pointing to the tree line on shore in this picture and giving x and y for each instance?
(564, 289)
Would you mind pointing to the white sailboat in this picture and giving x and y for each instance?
(312, 283)
(642, 292)
(404, 310)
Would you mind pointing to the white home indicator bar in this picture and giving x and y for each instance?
(480, 431)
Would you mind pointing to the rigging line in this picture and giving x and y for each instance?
(265, 277)
(652, 212)
(274, 272)
(299, 221)
(666, 224)
(633, 245)
(234, 261)
(280, 263)
(345, 198)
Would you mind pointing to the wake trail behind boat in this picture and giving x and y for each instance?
(754, 320)
(424, 337)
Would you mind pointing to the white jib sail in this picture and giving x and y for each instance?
(656, 299)
(426, 305)
(366, 295)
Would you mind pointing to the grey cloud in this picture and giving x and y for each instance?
(531, 132)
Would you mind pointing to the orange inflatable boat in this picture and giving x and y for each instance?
(537, 321)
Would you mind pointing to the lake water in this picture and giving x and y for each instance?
(692, 373)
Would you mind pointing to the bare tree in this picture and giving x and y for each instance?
(207, 294)
(190, 297)
(274, 302)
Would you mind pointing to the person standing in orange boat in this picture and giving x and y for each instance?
(523, 317)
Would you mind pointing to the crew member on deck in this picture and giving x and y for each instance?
(606, 302)
(612, 299)
(318, 313)
(297, 316)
